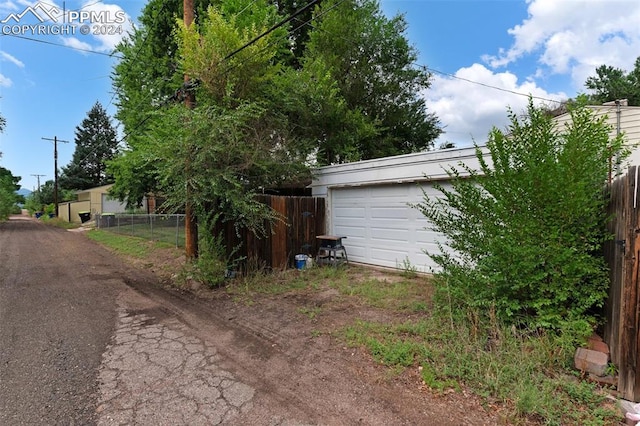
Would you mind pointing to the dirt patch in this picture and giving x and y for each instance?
(303, 326)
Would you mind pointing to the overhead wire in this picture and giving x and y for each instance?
(80, 49)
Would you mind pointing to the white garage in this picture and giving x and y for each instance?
(369, 203)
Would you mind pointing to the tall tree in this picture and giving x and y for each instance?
(96, 143)
(610, 84)
(146, 79)
(9, 184)
(372, 63)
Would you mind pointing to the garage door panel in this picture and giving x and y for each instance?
(352, 233)
(391, 258)
(348, 212)
(395, 212)
(390, 236)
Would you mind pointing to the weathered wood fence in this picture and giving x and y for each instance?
(622, 328)
(304, 219)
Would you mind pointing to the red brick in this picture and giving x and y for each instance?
(598, 346)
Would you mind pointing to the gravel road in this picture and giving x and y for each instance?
(87, 339)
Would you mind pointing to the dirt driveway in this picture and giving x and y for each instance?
(169, 357)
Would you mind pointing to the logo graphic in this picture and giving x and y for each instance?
(40, 11)
(52, 20)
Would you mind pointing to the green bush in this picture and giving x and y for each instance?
(524, 233)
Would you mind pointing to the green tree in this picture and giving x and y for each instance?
(235, 130)
(372, 63)
(96, 144)
(524, 232)
(146, 79)
(611, 84)
(46, 194)
(9, 184)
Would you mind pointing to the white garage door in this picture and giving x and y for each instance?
(380, 226)
(109, 205)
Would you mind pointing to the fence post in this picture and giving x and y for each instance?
(177, 228)
(151, 224)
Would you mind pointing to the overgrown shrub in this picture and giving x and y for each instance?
(524, 232)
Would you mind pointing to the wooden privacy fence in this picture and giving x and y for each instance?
(304, 219)
(622, 328)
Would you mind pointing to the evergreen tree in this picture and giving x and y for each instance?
(96, 143)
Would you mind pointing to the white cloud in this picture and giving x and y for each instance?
(7, 57)
(567, 39)
(470, 110)
(108, 42)
(575, 37)
(76, 43)
(5, 82)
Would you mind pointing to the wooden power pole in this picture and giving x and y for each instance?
(55, 169)
(190, 220)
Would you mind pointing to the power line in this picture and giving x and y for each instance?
(273, 28)
(80, 49)
(427, 68)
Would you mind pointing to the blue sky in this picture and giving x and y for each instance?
(484, 55)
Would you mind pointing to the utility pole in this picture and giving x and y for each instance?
(190, 220)
(38, 177)
(55, 169)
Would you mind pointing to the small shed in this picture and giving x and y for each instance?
(93, 200)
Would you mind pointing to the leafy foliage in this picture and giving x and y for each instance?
(372, 64)
(45, 196)
(524, 232)
(205, 50)
(611, 84)
(8, 197)
(96, 144)
(237, 144)
(146, 79)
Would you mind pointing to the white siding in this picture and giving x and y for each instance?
(629, 126)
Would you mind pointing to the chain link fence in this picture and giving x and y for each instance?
(168, 228)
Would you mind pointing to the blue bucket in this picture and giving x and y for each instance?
(301, 261)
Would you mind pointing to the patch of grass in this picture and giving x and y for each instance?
(163, 230)
(126, 245)
(59, 223)
(526, 372)
(403, 295)
(408, 270)
(310, 312)
(280, 282)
